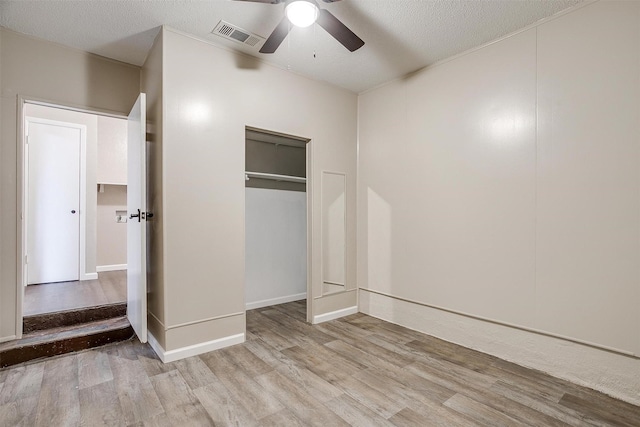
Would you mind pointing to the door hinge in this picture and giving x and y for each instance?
(26, 257)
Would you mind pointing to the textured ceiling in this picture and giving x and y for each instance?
(401, 35)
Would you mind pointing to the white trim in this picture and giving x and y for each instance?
(611, 373)
(113, 267)
(275, 301)
(192, 350)
(8, 338)
(82, 273)
(334, 315)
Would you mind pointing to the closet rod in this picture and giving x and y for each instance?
(274, 177)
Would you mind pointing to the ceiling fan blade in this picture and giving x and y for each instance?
(339, 31)
(276, 37)
(330, 1)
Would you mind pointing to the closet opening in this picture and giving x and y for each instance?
(276, 226)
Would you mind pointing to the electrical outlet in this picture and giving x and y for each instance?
(121, 216)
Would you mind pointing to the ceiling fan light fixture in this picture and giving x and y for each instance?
(302, 13)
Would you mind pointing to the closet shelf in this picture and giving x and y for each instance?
(274, 177)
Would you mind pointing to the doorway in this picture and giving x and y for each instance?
(74, 192)
(276, 225)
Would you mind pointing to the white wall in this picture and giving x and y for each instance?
(504, 185)
(275, 246)
(111, 241)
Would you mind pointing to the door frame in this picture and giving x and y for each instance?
(21, 190)
(82, 273)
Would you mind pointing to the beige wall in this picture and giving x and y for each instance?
(111, 241)
(36, 69)
(111, 169)
(112, 150)
(208, 100)
(504, 184)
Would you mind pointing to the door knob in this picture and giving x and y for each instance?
(73, 211)
(131, 216)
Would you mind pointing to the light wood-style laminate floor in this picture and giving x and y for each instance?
(356, 371)
(109, 288)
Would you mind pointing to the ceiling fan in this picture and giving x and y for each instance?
(303, 13)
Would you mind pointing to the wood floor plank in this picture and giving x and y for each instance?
(363, 344)
(478, 388)
(479, 413)
(282, 418)
(357, 370)
(398, 391)
(355, 413)
(93, 368)
(150, 360)
(223, 409)
(242, 387)
(293, 310)
(442, 350)
(331, 369)
(22, 382)
(319, 388)
(438, 416)
(608, 411)
(59, 404)
(371, 360)
(246, 360)
(195, 372)
(450, 375)
(20, 413)
(298, 401)
(376, 400)
(533, 400)
(137, 397)
(181, 406)
(107, 412)
(300, 330)
(266, 329)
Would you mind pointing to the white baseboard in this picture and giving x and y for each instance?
(192, 350)
(611, 373)
(89, 276)
(334, 315)
(275, 301)
(114, 267)
(9, 338)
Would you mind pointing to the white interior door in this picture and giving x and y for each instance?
(53, 201)
(136, 223)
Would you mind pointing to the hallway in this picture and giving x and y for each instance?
(110, 288)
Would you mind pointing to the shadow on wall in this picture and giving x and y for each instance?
(105, 97)
(246, 62)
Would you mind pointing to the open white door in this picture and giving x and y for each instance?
(136, 223)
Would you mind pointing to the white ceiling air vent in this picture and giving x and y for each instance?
(231, 32)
